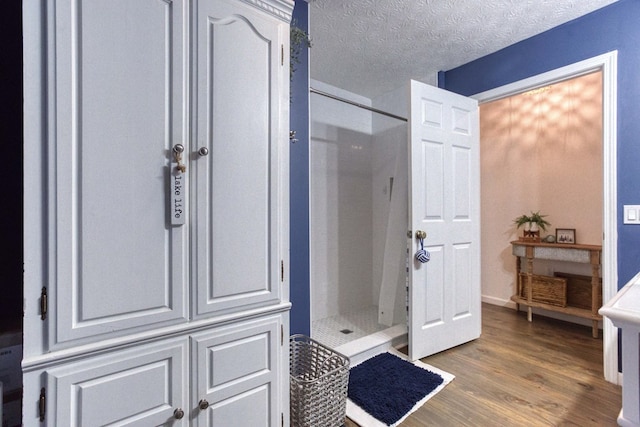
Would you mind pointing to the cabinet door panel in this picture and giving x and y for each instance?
(117, 76)
(235, 411)
(238, 66)
(128, 388)
(239, 376)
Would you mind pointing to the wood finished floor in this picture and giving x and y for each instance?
(544, 373)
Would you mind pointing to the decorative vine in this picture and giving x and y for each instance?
(299, 40)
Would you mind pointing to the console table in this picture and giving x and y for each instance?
(589, 254)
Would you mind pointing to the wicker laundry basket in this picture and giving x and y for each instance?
(319, 378)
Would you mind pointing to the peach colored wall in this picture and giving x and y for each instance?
(540, 150)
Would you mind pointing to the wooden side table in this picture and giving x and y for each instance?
(588, 254)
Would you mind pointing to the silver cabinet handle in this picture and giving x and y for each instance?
(178, 414)
(178, 149)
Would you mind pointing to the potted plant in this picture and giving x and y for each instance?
(537, 220)
(532, 225)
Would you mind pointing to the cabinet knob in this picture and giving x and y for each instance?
(203, 404)
(203, 151)
(178, 414)
(178, 149)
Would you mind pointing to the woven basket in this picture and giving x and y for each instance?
(319, 378)
(546, 289)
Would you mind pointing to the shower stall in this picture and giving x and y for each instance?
(358, 220)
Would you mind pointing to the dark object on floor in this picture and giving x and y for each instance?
(388, 387)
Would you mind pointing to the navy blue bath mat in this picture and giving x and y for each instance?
(385, 389)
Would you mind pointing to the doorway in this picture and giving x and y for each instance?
(444, 171)
(353, 151)
(541, 151)
(607, 64)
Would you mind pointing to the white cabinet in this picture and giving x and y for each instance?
(142, 386)
(116, 103)
(130, 282)
(240, 184)
(240, 370)
(235, 372)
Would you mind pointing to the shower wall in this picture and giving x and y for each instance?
(352, 161)
(388, 142)
(340, 217)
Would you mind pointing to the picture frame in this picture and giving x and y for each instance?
(566, 236)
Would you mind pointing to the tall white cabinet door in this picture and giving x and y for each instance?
(144, 387)
(117, 99)
(241, 77)
(239, 381)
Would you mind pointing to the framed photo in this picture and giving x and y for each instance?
(566, 235)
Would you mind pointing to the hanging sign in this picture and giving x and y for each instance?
(177, 191)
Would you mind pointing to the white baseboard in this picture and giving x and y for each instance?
(499, 301)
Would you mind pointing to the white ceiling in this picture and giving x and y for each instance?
(370, 47)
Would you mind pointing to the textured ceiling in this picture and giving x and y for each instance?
(372, 46)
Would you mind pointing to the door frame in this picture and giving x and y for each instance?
(608, 64)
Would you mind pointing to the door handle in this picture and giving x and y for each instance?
(421, 234)
(178, 149)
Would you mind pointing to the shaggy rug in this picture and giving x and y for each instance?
(387, 388)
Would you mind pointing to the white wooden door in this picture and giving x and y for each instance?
(239, 213)
(117, 106)
(444, 198)
(141, 387)
(237, 374)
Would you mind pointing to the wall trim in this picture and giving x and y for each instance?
(608, 64)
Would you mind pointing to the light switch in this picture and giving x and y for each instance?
(632, 214)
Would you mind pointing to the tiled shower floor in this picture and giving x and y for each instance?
(361, 323)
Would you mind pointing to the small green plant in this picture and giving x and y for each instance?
(535, 218)
(522, 220)
(299, 39)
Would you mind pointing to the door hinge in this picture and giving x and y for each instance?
(42, 404)
(281, 335)
(44, 303)
(282, 55)
(282, 270)
(282, 419)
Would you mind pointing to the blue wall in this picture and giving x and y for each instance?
(615, 27)
(299, 184)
